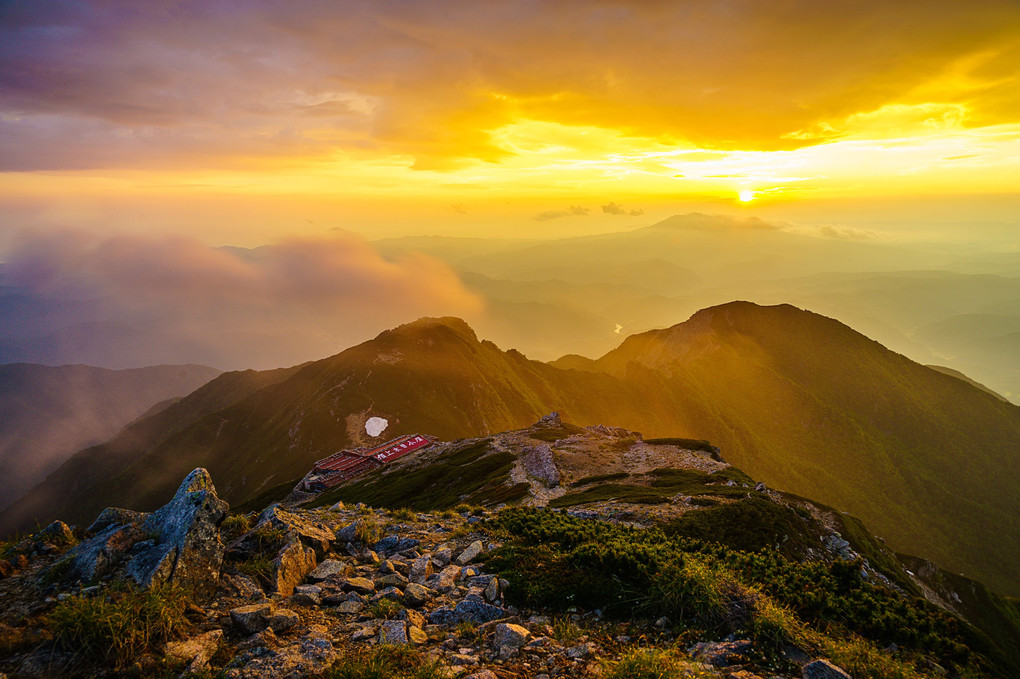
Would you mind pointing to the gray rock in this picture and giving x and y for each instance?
(538, 463)
(291, 565)
(195, 651)
(348, 533)
(252, 618)
(392, 580)
(188, 549)
(472, 608)
(363, 585)
(473, 550)
(442, 557)
(327, 569)
(308, 595)
(492, 590)
(58, 533)
(721, 653)
(115, 516)
(99, 555)
(580, 651)
(350, 607)
(313, 535)
(510, 636)
(391, 544)
(823, 669)
(393, 632)
(283, 619)
(416, 595)
(421, 569)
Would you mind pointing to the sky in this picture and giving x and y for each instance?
(246, 121)
(156, 132)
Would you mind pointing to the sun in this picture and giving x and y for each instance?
(746, 196)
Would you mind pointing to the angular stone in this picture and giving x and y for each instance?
(195, 651)
(97, 556)
(115, 516)
(412, 617)
(57, 533)
(580, 651)
(416, 635)
(416, 595)
(442, 557)
(187, 550)
(348, 533)
(283, 619)
(510, 636)
(350, 607)
(483, 674)
(313, 535)
(823, 669)
(393, 632)
(472, 608)
(473, 550)
(391, 544)
(292, 564)
(721, 653)
(308, 595)
(393, 593)
(492, 590)
(328, 569)
(363, 585)
(252, 618)
(421, 569)
(392, 580)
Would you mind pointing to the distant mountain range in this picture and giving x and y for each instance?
(798, 400)
(48, 413)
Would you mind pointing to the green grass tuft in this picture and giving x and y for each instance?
(121, 626)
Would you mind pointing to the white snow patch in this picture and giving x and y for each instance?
(376, 425)
(618, 328)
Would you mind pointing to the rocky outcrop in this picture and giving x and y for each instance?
(179, 543)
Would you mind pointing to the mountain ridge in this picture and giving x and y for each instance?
(800, 401)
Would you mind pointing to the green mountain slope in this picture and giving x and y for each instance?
(73, 482)
(800, 401)
(47, 413)
(810, 406)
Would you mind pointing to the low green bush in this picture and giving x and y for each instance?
(702, 584)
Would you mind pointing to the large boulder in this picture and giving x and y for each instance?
(178, 543)
(188, 550)
(314, 535)
(292, 564)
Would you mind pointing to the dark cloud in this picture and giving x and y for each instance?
(141, 300)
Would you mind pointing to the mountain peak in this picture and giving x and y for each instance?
(698, 221)
(430, 324)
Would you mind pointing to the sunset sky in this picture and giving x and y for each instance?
(242, 122)
(139, 138)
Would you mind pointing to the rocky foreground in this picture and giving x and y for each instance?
(305, 593)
